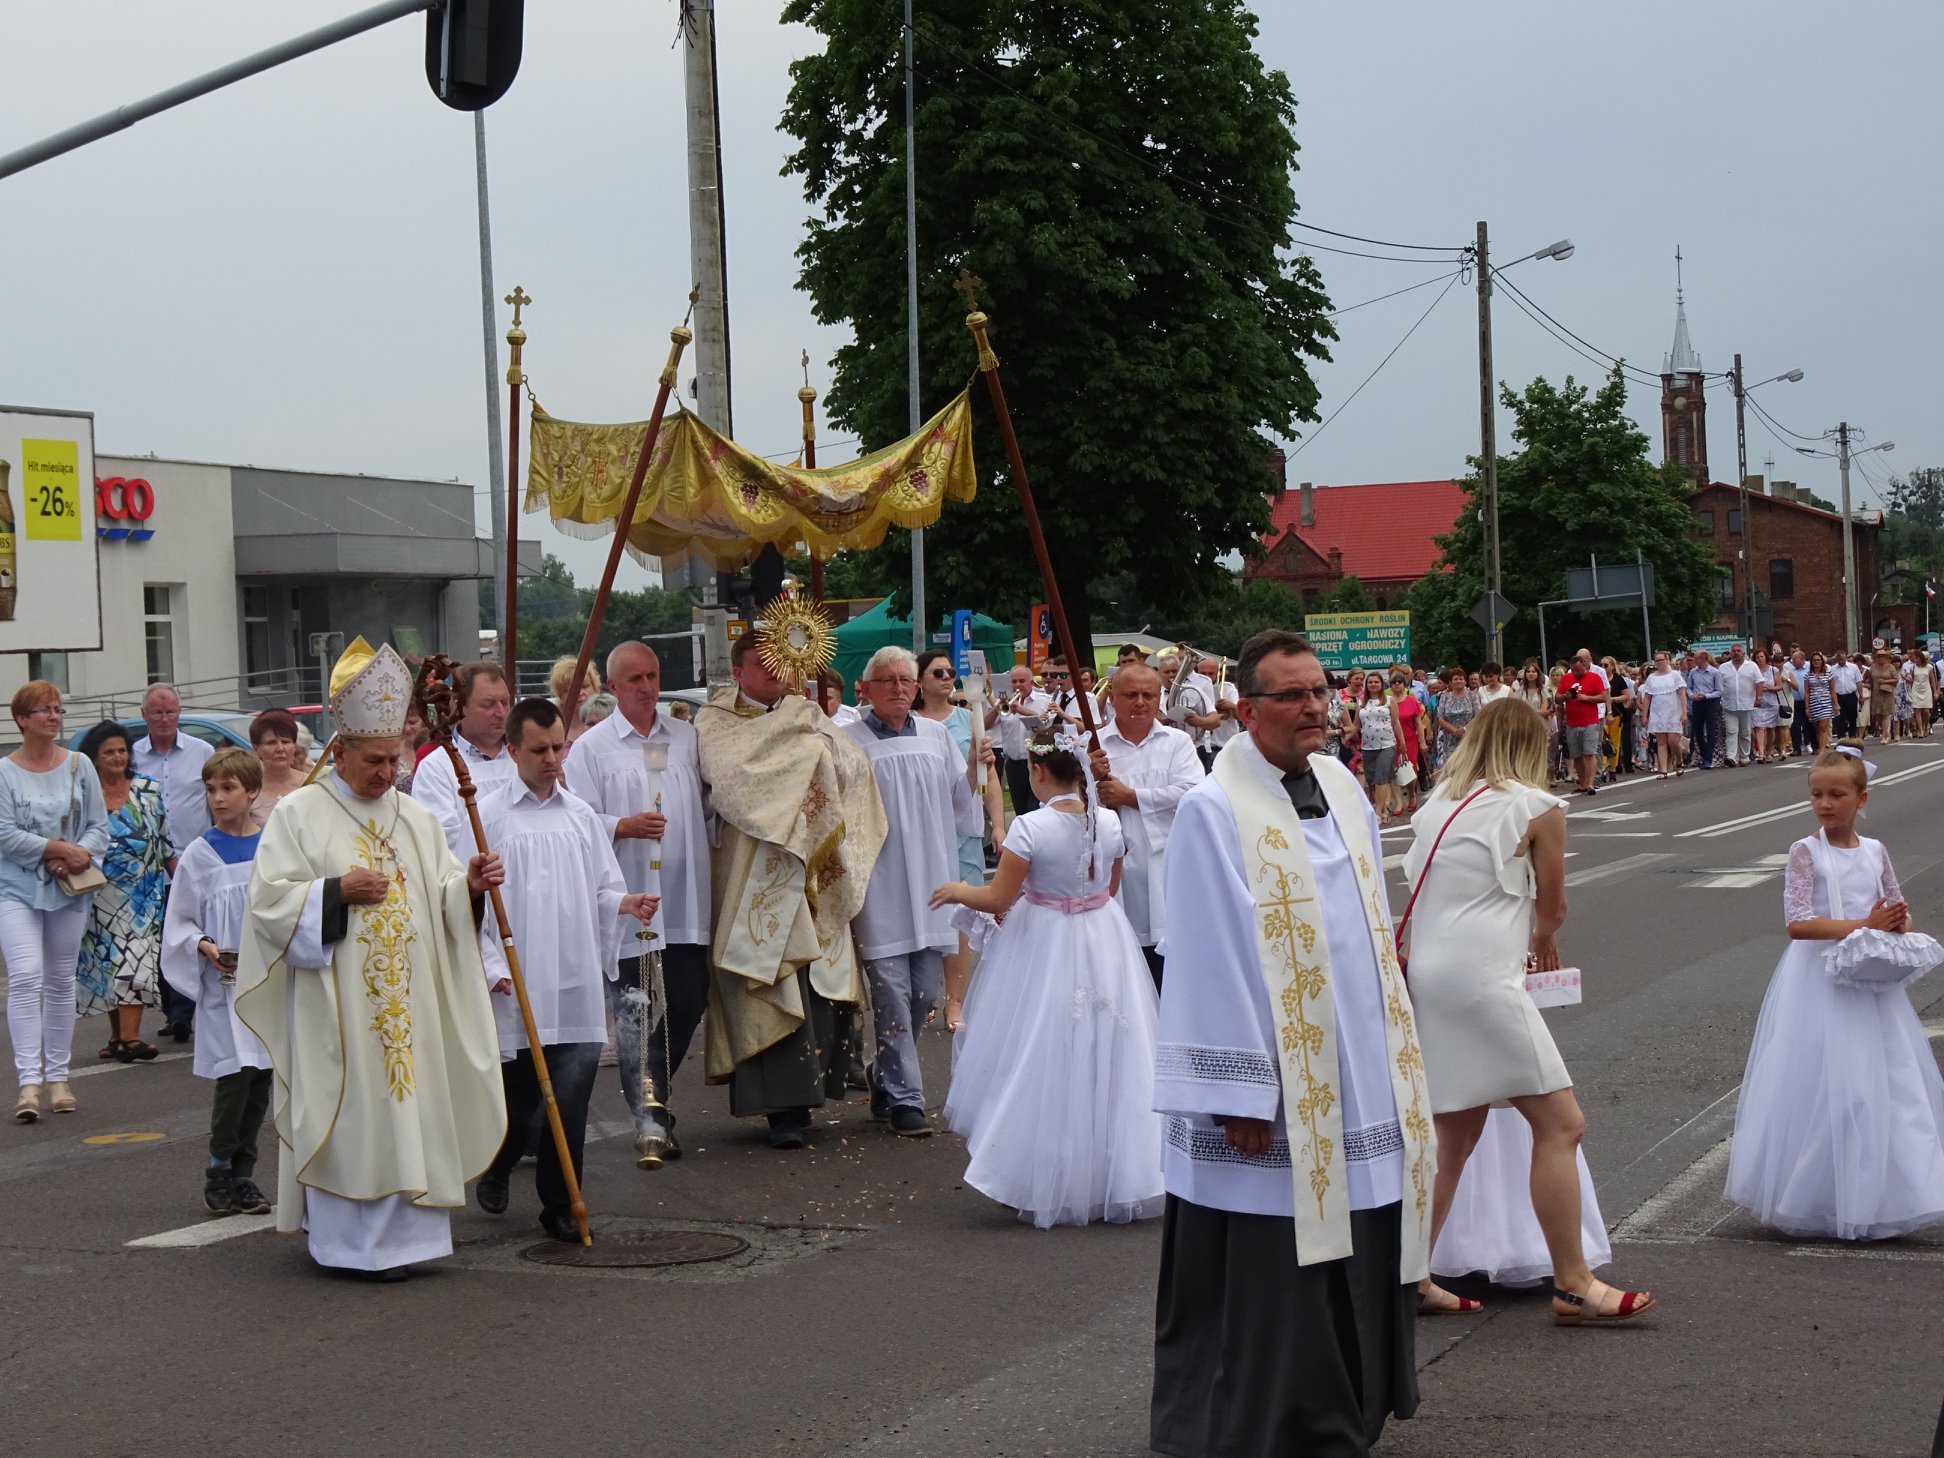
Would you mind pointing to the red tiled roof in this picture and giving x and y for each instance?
(1384, 530)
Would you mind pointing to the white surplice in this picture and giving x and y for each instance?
(1217, 1053)
(206, 899)
(1160, 770)
(610, 769)
(562, 895)
(388, 1094)
(929, 805)
(436, 787)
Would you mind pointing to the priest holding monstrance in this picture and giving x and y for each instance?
(360, 970)
(1296, 1148)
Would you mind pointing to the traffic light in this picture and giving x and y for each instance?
(472, 50)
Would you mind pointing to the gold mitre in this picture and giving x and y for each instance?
(371, 689)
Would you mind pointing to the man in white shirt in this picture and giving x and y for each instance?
(901, 938)
(1141, 771)
(1845, 676)
(563, 895)
(484, 702)
(1739, 679)
(175, 764)
(1021, 712)
(640, 772)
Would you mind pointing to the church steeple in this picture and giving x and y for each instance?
(1684, 406)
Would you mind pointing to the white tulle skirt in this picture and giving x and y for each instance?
(1491, 1227)
(1840, 1127)
(1053, 1071)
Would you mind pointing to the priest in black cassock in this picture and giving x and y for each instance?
(1296, 1134)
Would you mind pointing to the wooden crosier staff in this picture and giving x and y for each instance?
(515, 377)
(968, 286)
(442, 713)
(680, 335)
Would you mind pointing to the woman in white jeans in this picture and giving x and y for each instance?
(52, 821)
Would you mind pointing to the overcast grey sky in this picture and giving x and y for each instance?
(286, 273)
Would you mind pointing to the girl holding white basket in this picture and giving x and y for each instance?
(1840, 1126)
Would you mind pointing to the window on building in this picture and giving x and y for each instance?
(256, 634)
(1311, 596)
(158, 630)
(1725, 590)
(53, 667)
(1734, 522)
(1781, 577)
(1704, 523)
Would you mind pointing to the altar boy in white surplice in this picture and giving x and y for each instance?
(360, 971)
(1296, 1135)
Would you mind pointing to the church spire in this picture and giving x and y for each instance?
(1681, 360)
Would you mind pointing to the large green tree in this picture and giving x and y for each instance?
(1119, 174)
(1582, 484)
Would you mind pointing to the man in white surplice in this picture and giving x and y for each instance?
(641, 772)
(1297, 1149)
(565, 898)
(929, 804)
(484, 701)
(1141, 771)
(360, 972)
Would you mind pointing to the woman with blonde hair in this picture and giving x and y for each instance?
(558, 679)
(1488, 877)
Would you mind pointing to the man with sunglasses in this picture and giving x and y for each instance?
(1292, 1092)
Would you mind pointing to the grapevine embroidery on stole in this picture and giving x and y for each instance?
(387, 936)
(1292, 938)
(1410, 1059)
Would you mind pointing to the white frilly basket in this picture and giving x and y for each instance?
(1880, 961)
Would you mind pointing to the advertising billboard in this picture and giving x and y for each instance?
(50, 583)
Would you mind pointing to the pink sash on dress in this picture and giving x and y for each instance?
(1071, 905)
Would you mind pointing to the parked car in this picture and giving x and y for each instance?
(218, 728)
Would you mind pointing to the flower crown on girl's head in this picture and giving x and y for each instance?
(1066, 741)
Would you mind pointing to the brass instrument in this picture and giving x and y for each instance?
(1185, 670)
(651, 1006)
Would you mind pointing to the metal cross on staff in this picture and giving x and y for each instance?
(519, 299)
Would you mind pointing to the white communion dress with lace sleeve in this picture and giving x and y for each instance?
(1840, 1126)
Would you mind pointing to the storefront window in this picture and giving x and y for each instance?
(256, 633)
(158, 629)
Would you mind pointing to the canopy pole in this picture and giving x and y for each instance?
(680, 336)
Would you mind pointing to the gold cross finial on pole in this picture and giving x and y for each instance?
(968, 286)
(516, 336)
(519, 298)
(806, 366)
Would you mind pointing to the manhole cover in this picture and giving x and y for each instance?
(634, 1248)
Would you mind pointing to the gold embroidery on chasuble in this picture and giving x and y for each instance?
(1290, 937)
(766, 902)
(1410, 1061)
(386, 934)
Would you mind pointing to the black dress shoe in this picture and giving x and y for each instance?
(560, 1225)
(387, 1276)
(786, 1136)
(492, 1193)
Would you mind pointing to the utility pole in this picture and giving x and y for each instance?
(1849, 541)
(1747, 531)
(495, 457)
(1488, 441)
(707, 268)
(920, 626)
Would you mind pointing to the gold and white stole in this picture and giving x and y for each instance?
(1295, 962)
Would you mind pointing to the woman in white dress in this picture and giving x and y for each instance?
(1840, 1126)
(1053, 1073)
(1488, 872)
(1666, 695)
(1764, 719)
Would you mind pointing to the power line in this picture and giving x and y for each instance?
(1408, 288)
(1519, 296)
(1756, 406)
(1603, 363)
(1308, 440)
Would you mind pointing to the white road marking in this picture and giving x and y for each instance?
(1852, 1253)
(113, 1067)
(1796, 807)
(1620, 834)
(206, 1232)
(1740, 878)
(1613, 868)
(1687, 1207)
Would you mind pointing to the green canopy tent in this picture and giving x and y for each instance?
(862, 636)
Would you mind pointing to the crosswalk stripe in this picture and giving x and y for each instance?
(206, 1232)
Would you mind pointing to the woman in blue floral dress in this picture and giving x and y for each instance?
(121, 951)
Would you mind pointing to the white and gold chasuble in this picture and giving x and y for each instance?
(1294, 965)
(387, 1064)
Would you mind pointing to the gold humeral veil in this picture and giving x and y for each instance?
(704, 492)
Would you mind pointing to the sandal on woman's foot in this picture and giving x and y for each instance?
(27, 1107)
(1431, 1304)
(113, 1048)
(1586, 1310)
(136, 1051)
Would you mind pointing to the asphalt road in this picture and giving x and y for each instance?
(882, 1309)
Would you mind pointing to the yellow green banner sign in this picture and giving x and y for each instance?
(1359, 640)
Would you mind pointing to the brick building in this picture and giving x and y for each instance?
(1798, 559)
(1381, 534)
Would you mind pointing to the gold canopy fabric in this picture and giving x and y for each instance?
(708, 494)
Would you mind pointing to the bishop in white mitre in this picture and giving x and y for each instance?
(360, 971)
(1296, 1134)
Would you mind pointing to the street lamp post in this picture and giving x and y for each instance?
(1488, 421)
(1747, 521)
